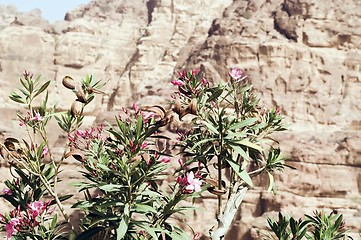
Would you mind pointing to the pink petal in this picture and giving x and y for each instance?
(177, 82)
(165, 159)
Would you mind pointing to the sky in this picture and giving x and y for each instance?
(51, 10)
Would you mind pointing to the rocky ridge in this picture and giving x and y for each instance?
(301, 55)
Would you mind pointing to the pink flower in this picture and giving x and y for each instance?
(189, 183)
(17, 182)
(89, 132)
(51, 211)
(194, 184)
(204, 81)
(148, 116)
(197, 236)
(135, 107)
(80, 133)
(182, 135)
(21, 123)
(144, 145)
(27, 74)
(195, 71)
(37, 117)
(181, 181)
(44, 152)
(278, 110)
(71, 137)
(237, 74)
(180, 161)
(177, 82)
(7, 191)
(10, 227)
(133, 147)
(182, 74)
(165, 159)
(36, 208)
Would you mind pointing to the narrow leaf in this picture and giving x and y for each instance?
(144, 208)
(42, 88)
(210, 127)
(240, 151)
(122, 229)
(16, 98)
(246, 122)
(243, 174)
(247, 143)
(271, 182)
(203, 141)
(139, 125)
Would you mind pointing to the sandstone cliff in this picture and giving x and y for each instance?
(302, 55)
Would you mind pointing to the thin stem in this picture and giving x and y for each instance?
(231, 183)
(256, 172)
(17, 160)
(45, 182)
(53, 194)
(219, 164)
(219, 186)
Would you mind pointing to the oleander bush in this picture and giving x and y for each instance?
(227, 143)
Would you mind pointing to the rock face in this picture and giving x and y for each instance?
(301, 55)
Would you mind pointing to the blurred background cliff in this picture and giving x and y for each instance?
(303, 56)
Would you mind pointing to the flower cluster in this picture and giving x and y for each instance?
(24, 221)
(30, 118)
(7, 191)
(44, 151)
(134, 121)
(237, 74)
(190, 83)
(82, 139)
(147, 117)
(189, 183)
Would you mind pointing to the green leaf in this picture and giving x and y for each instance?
(121, 126)
(89, 99)
(111, 187)
(244, 123)
(178, 234)
(218, 92)
(117, 135)
(42, 88)
(11, 200)
(24, 84)
(271, 182)
(210, 127)
(40, 149)
(151, 193)
(259, 126)
(203, 141)
(139, 125)
(54, 221)
(239, 150)
(247, 143)
(243, 174)
(142, 208)
(122, 229)
(31, 86)
(126, 209)
(231, 135)
(148, 229)
(16, 98)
